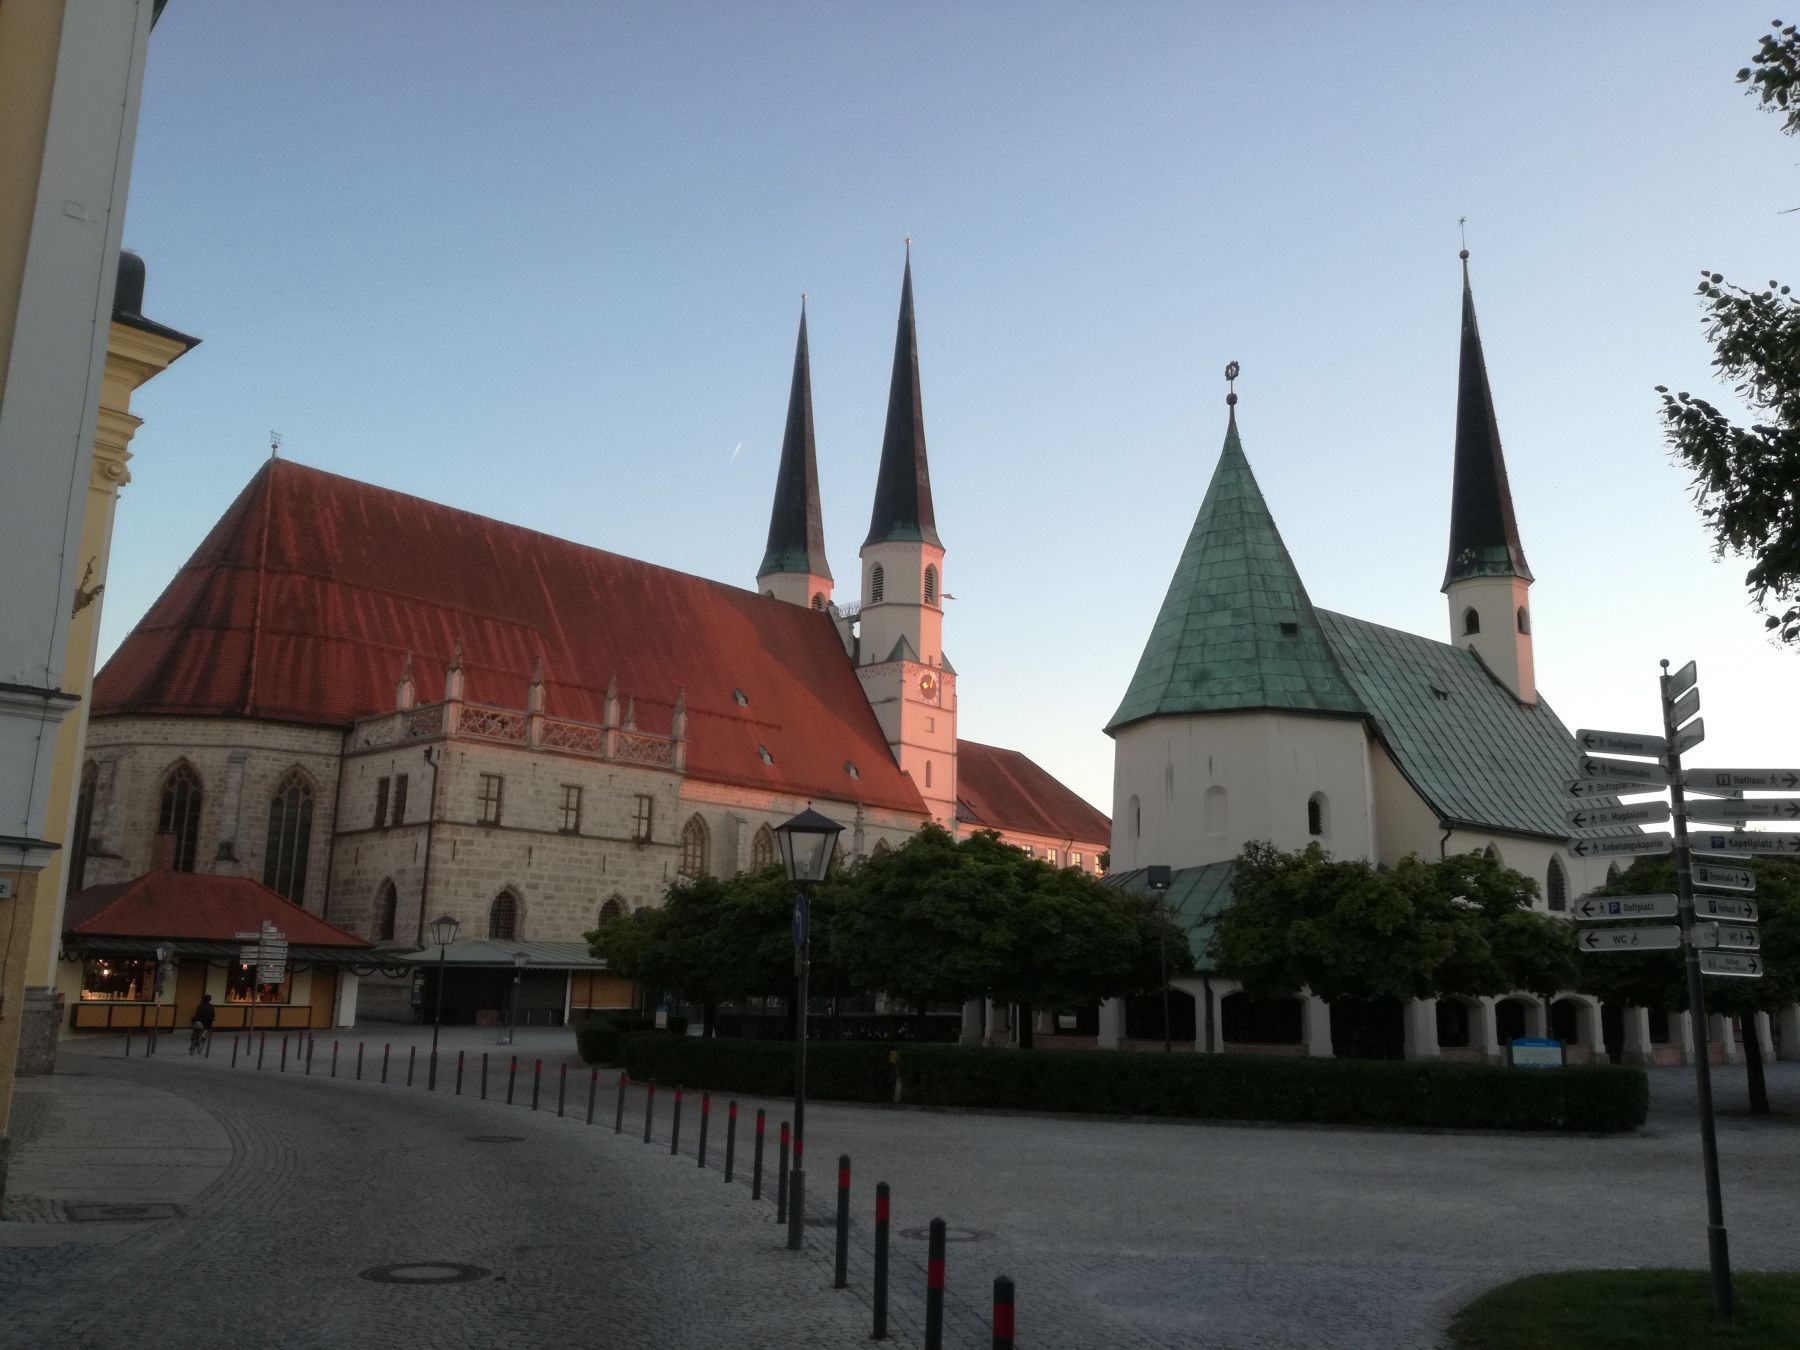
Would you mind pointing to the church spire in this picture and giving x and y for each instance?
(903, 486)
(796, 525)
(1484, 536)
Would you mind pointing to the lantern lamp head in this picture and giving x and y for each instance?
(807, 842)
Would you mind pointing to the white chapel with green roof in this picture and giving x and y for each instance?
(1254, 715)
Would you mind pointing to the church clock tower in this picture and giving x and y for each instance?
(900, 657)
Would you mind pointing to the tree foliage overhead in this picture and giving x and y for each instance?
(1747, 475)
(1347, 930)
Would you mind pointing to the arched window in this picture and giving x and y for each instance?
(387, 912)
(180, 814)
(927, 773)
(290, 834)
(877, 580)
(1214, 810)
(762, 849)
(1612, 873)
(503, 917)
(1318, 815)
(613, 909)
(693, 848)
(931, 585)
(881, 847)
(1137, 817)
(1524, 620)
(1556, 886)
(84, 825)
(818, 600)
(1491, 852)
(1471, 622)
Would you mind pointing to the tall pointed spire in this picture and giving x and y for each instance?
(1236, 631)
(1484, 536)
(903, 486)
(796, 524)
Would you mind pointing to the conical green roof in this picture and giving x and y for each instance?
(1236, 631)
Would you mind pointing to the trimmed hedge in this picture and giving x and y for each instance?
(597, 1038)
(1588, 1099)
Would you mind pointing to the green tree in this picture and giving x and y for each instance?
(1659, 979)
(1746, 472)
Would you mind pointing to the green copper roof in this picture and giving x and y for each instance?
(1196, 898)
(1477, 755)
(1236, 631)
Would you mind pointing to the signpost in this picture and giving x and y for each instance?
(1682, 680)
(1627, 907)
(1620, 848)
(1726, 907)
(1685, 707)
(1690, 735)
(1639, 813)
(1606, 787)
(1748, 843)
(1621, 743)
(1731, 963)
(1624, 771)
(1727, 935)
(1662, 937)
(1756, 780)
(1785, 809)
(1724, 878)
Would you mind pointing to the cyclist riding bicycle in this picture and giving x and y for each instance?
(202, 1024)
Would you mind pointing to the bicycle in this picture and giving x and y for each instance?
(198, 1041)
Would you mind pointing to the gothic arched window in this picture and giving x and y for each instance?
(877, 582)
(84, 825)
(1556, 886)
(180, 814)
(290, 834)
(1524, 620)
(503, 917)
(762, 849)
(931, 585)
(1471, 622)
(1318, 815)
(387, 911)
(818, 600)
(613, 909)
(693, 848)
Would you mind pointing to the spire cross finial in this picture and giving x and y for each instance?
(1231, 374)
(1462, 230)
(274, 444)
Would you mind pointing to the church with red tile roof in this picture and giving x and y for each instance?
(383, 708)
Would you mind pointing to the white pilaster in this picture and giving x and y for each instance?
(1485, 1029)
(1112, 1023)
(1719, 1033)
(1637, 1048)
(1315, 1020)
(1421, 1029)
(971, 1022)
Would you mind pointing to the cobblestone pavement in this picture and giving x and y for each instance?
(1118, 1234)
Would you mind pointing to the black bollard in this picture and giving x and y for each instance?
(512, 1077)
(359, 1059)
(431, 1070)
(262, 1048)
(412, 1056)
(593, 1088)
(841, 1270)
(312, 1046)
(649, 1107)
(484, 1075)
(537, 1080)
(562, 1089)
(234, 1041)
(675, 1129)
(459, 1072)
(282, 1066)
(730, 1140)
(705, 1120)
(879, 1332)
(781, 1174)
(619, 1115)
(128, 1047)
(207, 1053)
(334, 1050)
(387, 1049)
(934, 1288)
(1003, 1313)
(756, 1162)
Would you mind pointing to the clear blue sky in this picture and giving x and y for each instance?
(544, 261)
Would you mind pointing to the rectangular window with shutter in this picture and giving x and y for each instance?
(400, 800)
(381, 803)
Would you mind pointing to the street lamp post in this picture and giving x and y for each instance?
(443, 932)
(807, 843)
(520, 960)
(1156, 877)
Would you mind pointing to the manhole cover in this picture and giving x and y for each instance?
(950, 1234)
(93, 1211)
(424, 1272)
(496, 1138)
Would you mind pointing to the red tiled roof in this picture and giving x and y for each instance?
(197, 907)
(1003, 790)
(303, 600)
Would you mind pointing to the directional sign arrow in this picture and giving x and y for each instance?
(1724, 878)
(1621, 742)
(1592, 817)
(1725, 907)
(1685, 707)
(1656, 938)
(1727, 935)
(1627, 907)
(1753, 808)
(1618, 848)
(1755, 780)
(1690, 735)
(1746, 843)
(1683, 680)
(1731, 963)
(1623, 770)
(1606, 787)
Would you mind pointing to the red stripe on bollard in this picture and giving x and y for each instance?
(1003, 1313)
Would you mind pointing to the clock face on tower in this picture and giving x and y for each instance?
(928, 686)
